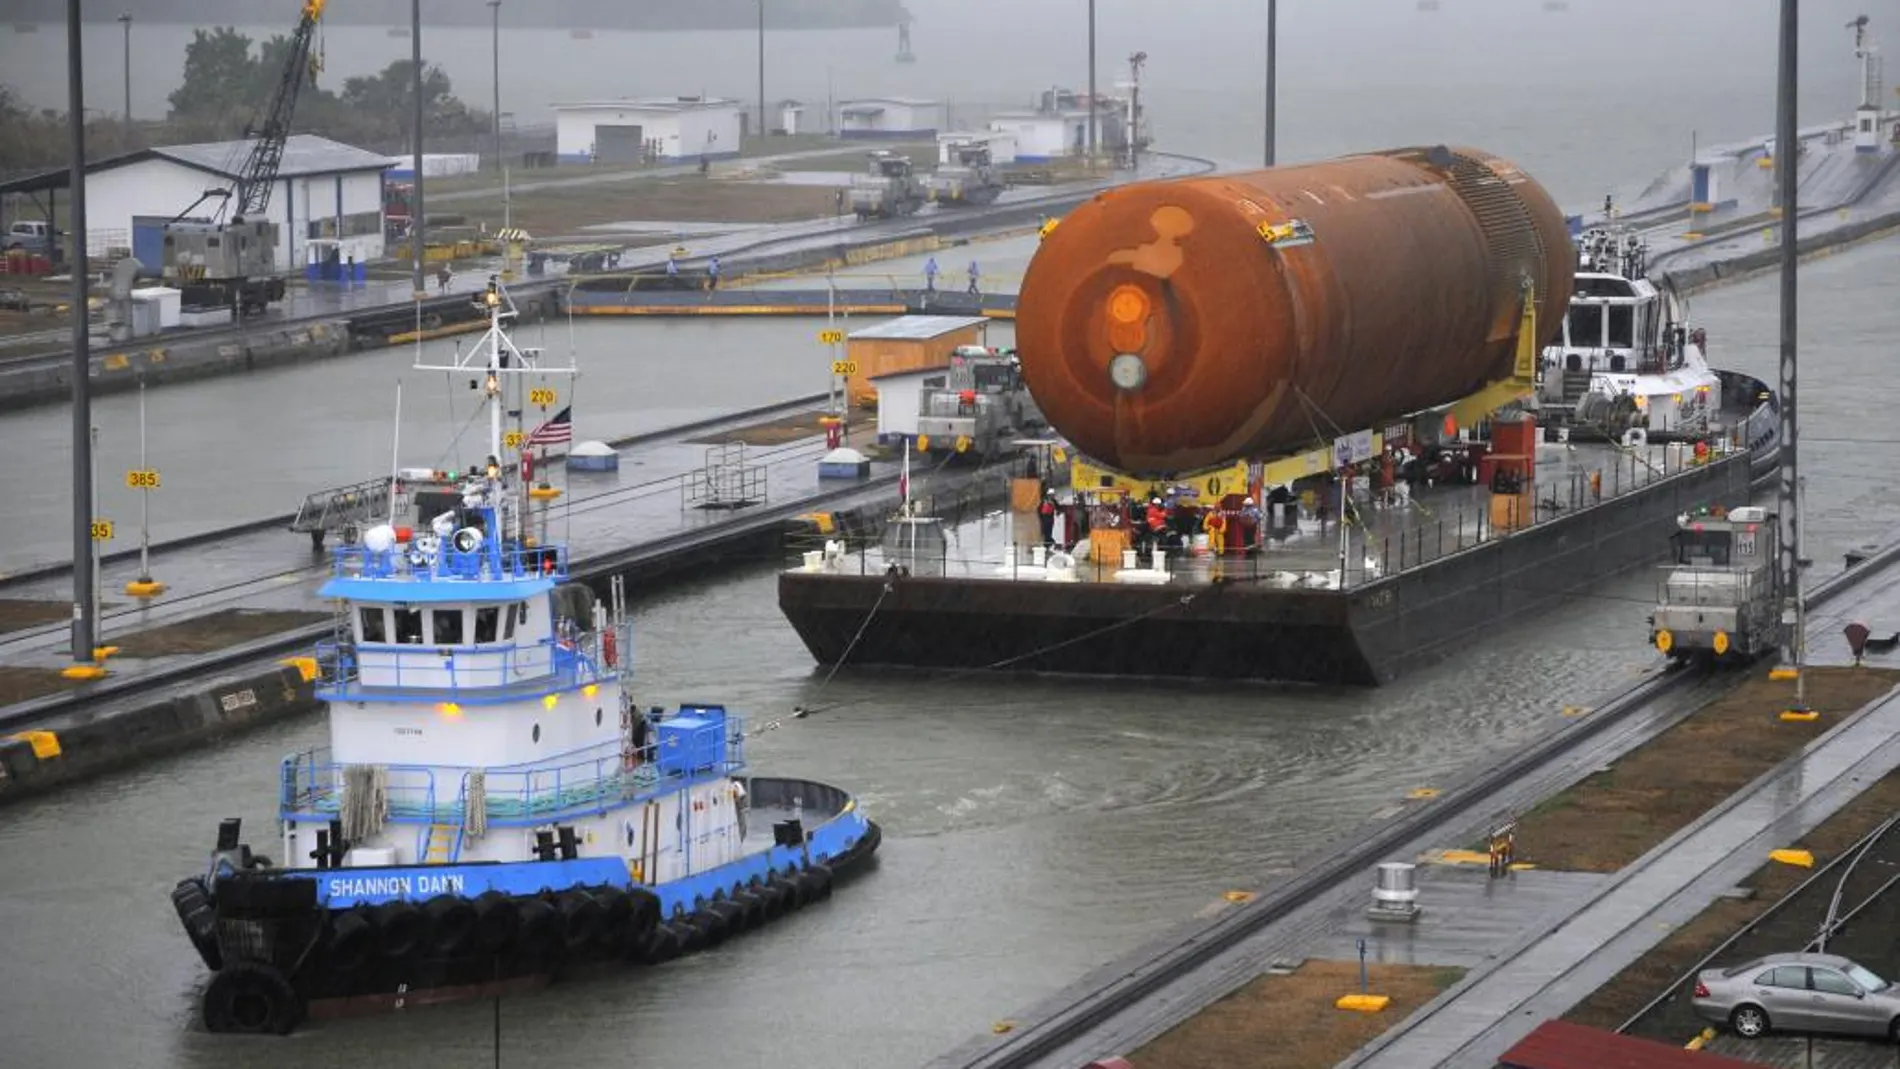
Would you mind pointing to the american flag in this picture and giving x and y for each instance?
(556, 431)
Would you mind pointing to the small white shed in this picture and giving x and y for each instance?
(899, 397)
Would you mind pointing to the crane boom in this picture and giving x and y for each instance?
(258, 176)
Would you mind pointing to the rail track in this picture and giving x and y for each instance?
(1465, 805)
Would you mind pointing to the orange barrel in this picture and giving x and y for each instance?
(1161, 332)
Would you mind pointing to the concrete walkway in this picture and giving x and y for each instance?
(1553, 970)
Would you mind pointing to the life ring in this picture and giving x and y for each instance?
(1664, 640)
(251, 998)
(1721, 643)
(352, 940)
(451, 924)
(399, 928)
(583, 917)
(610, 648)
(496, 921)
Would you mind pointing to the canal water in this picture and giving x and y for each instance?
(1034, 829)
(244, 447)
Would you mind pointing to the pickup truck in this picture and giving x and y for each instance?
(30, 235)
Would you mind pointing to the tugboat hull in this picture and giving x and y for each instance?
(286, 945)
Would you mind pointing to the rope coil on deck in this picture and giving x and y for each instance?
(365, 801)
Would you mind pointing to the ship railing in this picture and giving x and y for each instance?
(311, 787)
(1387, 532)
(488, 562)
(478, 674)
(590, 779)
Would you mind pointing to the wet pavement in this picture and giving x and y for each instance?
(655, 496)
(1807, 1052)
(1484, 1015)
(1524, 977)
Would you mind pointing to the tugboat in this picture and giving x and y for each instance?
(1626, 362)
(494, 811)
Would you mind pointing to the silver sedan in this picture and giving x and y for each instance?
(1799, 993)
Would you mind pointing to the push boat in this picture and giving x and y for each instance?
(1626, 365)
(494, 811)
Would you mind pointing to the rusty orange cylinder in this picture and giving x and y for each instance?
(1161, 331)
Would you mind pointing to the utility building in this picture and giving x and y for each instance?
(647, 129)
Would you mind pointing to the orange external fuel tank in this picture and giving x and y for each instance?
(1171, 326)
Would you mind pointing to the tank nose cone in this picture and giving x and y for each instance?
(1113, 331)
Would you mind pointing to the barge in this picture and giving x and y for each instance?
(1367, 554)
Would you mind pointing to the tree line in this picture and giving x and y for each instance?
(228, 83)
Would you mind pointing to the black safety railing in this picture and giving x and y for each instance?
(1307, 554)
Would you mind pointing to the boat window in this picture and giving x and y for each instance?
(508, 624)
(1703, 547)
(486, 620)
(1586, 326)
(374, 629)
(1622, 326)
(448, 627)
(409, 626)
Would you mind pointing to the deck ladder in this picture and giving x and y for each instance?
(441, 845)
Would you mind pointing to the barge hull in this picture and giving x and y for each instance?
(1238, 630)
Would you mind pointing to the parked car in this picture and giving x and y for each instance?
(30, 235)
(1799, 993)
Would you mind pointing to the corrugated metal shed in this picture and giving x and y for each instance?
(1562, 1045)
(917, 328)
(304, 154)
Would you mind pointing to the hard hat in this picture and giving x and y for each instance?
(1154, 501)
(1248, 501)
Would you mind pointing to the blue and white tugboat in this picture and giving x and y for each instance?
(494, 811)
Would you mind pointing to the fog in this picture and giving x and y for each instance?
(1608, 91)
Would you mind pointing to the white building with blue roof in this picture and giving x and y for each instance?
(325, 191)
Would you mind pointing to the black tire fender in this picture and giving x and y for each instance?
(752, 909)
(542, 927)
(615, 932)
(787, 893)
(582, 916)
(251, 998)
(661, 945)
(646, 912)
(822, 873)
(352, 940)
(731, 915)
(496, 921)
(399, 928)
(200, 920)
(772, 897)
(451, 923)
